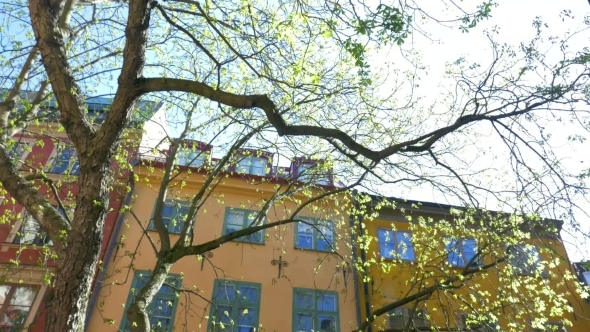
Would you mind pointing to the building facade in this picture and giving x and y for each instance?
(417, 249)
(43, 150)
(284, 278)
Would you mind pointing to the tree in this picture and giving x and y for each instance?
(289, 77)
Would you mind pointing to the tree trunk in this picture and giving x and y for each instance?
(137, 312)
(68, 301)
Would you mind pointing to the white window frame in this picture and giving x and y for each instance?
(51, 160)
(28, 143)
(246, 165)
(42, 288)
(186, 157)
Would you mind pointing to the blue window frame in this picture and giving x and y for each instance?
(314, 234)
(162, 310)
(236, 306)
(65, 162)
(315, 310)
(525, 259)
(461, 252)
(238, 219)
(395, 245)
(173, 215)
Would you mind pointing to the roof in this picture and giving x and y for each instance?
(97, 108)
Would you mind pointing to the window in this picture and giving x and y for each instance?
(461, 252)
(315, 310)
(314, 234)
(31, 233)
(587, 277)
(308, 171)
(173, 216)
(163, 307)
(481, 323)
(15, 306)
(192, 158)
(18, 150)
(235, 306)
(65, 162)
(395, 245)
(399, 318)
(238, 219)
(524, 259)
(252, 165)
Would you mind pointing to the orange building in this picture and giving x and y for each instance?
(414, 249)
(280, 279)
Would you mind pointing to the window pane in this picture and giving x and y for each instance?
(587, 278)
(387, 250)
(454, 257)
(235, 217)
(17, 151)
(303, 322)
(304, 236)
(397, 318)
(246, 319)
(326, 303)
(158, 324)
(325, 236)
(303, 172)
(327, 323)
(3, 293)
(404, 246)
(23, 296)
(162, 307)
(248, 294)
(469, 251)
(223, 314)
(385, 236)
(225, 292)
(244, 165)
(304, 300)
(259, 166)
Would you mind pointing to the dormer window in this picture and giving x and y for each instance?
(311, 171)
(191, 158)
(252, 165)
(192, 153)
(254, 162)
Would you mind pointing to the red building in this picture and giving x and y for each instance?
(44, 150)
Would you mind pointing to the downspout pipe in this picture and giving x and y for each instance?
(363, 261)
(365, 283)
(357, 296)
(110, 247)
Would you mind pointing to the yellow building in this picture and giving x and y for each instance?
(281, 279)
(410, 255)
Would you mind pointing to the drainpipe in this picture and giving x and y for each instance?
(365, 283)
(110, 248)
(363, 261)
(357, 297)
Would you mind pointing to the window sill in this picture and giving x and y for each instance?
(248, 242)
(10, 245)
(315, 250)
(398, 259)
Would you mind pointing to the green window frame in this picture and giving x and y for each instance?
(319, 238)
(173, 215)
(162, 310)
(315, 310)
(235, 306)
(237, 219)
